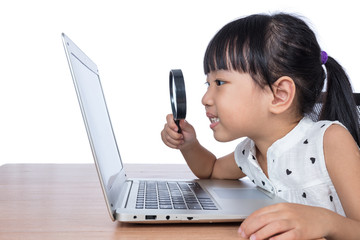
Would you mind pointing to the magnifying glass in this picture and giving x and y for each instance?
(177, 96)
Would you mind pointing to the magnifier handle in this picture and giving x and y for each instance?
(177, 122)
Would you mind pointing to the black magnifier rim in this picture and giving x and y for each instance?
(180, 111)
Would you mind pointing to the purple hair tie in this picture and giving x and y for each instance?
(324, 57)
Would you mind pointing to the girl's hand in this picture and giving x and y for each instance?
(286, 221)
(172, 138)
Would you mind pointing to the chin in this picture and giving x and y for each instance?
(222, 138)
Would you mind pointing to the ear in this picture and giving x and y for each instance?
(283, 95)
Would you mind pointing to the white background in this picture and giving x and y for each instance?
(135, 44)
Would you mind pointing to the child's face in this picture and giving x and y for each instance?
(235, 105)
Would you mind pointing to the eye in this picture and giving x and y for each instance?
(219, 82)
(207, 84)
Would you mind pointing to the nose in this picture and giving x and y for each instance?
(207, 99)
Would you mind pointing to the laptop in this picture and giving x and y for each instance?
(152, 200)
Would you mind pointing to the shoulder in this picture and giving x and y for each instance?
(342, 159)
(341, 153)
(338, 144)
(338, 138)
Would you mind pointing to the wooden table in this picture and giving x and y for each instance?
(65, 201)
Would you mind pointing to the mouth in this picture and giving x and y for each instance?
(214, 119)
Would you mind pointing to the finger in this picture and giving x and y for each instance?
(259, 219)
(292, 234)
(172, 133)
(185, 126)
(172, 145)
(169, 140)
(169, 144)
(286, 236)
(277, 228)
(171, 123)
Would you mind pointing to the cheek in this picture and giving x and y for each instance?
(233, 111)
(243, 111)
(237, 104)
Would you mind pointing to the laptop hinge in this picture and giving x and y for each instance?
(124, 195)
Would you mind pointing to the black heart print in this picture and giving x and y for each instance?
(304, 195)
(288, 172)
(306, 141)
(312, 160)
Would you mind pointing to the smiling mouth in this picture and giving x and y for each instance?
(214, 120)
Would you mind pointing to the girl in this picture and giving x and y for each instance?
(265, 74)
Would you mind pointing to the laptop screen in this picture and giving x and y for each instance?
(98, 124)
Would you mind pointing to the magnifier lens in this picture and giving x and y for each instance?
(177, 96)
(173, 99)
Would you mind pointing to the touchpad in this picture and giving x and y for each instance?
(236, 193)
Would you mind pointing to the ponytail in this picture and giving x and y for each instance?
(339, 103)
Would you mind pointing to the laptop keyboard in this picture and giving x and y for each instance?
(173, 195)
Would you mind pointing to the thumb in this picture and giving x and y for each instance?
(185, 126)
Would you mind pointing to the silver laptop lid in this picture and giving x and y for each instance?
(97, 122)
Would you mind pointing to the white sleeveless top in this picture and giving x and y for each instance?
(296, 166)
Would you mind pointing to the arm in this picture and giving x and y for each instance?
(295, 221)
(202, 162)
(343, 163)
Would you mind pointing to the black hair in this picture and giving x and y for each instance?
(271, 46)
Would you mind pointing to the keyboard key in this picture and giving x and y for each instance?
(210, 208)
(205, 200)
(179, 206)
(194, 206)
(151, 207)
(177, 199)
(166, 206)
